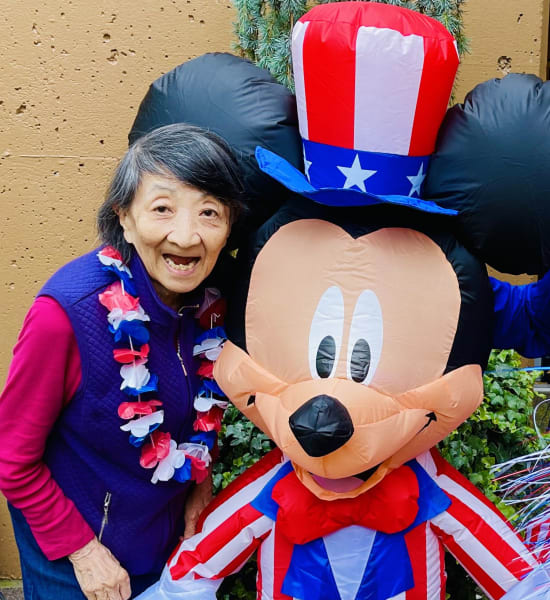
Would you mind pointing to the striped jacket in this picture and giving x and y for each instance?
(471, 528)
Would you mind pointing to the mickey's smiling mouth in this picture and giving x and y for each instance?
(367, 474)
(432, 418)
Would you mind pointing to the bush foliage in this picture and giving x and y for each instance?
(500, 429)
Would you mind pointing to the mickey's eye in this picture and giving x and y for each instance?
(365, 340)
(325, 336)
(326, 355)
(359, 363)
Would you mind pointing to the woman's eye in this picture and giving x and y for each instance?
(161, 209)
(365, 338)
(325, 335)
(210, 212)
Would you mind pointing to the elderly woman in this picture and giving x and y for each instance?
(100, 459)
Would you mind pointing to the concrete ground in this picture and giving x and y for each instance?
(11, 589)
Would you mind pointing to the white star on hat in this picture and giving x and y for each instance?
(355, 175)
(417, 180)
(307, 164)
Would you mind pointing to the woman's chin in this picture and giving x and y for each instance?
(172, 286)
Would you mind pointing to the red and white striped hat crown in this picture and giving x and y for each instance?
(372, 86)
(372, 77)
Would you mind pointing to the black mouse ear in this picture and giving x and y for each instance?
(241, 103)
(492, 164)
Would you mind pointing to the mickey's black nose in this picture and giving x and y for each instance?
(321, 425)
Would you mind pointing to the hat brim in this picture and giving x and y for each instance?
(282, 171)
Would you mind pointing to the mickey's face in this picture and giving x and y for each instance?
(348, 341)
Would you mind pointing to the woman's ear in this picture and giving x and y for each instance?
(124, 218)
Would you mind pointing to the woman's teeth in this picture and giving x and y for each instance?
(183, 264)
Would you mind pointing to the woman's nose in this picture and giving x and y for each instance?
(184, 231)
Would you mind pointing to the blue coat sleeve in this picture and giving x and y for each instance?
(522, 316)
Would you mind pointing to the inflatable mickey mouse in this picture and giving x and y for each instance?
(357, 337)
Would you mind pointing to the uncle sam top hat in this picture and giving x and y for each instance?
(373, 82)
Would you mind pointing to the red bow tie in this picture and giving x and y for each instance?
(389, 506)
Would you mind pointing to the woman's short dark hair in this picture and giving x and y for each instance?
(185, 152)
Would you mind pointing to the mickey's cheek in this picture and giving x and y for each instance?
(452, 399)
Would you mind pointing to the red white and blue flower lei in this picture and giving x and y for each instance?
(188, 460)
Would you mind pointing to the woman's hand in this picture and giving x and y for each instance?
(199, 497)
(99, 573)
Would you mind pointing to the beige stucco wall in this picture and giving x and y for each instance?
(72, 75)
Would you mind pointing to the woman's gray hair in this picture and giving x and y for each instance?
(187, 153)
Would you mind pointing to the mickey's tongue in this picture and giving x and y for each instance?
(346, 484)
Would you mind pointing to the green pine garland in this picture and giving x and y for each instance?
(264, 27)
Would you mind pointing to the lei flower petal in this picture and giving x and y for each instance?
(206, 345)
(135, 375)
(112, 260)
(127, 355)
(199, 470)
(209, 421)
(198, 461)
(183, 474)
(152, 386)
(128, 410)
(204, 403)
(130, 330)
(156, 450)
(109, 252)
(142, 426)
(137, 441)
(114, 297)
(167, 466)
(206, 369)
(205, 437)
(216, 333)
(213, 353)
(211, 386)
(124, 275)
(117, 316)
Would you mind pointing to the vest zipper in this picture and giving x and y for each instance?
(178, 352)
(105, 520)
(178, 333)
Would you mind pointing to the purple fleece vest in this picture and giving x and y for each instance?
(87, 452)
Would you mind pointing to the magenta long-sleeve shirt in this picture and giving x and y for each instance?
(44, 375)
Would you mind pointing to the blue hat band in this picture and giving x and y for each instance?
(369, 172)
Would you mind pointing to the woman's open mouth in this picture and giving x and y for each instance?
(181, 263)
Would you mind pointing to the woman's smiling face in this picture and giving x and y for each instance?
(178, 232)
